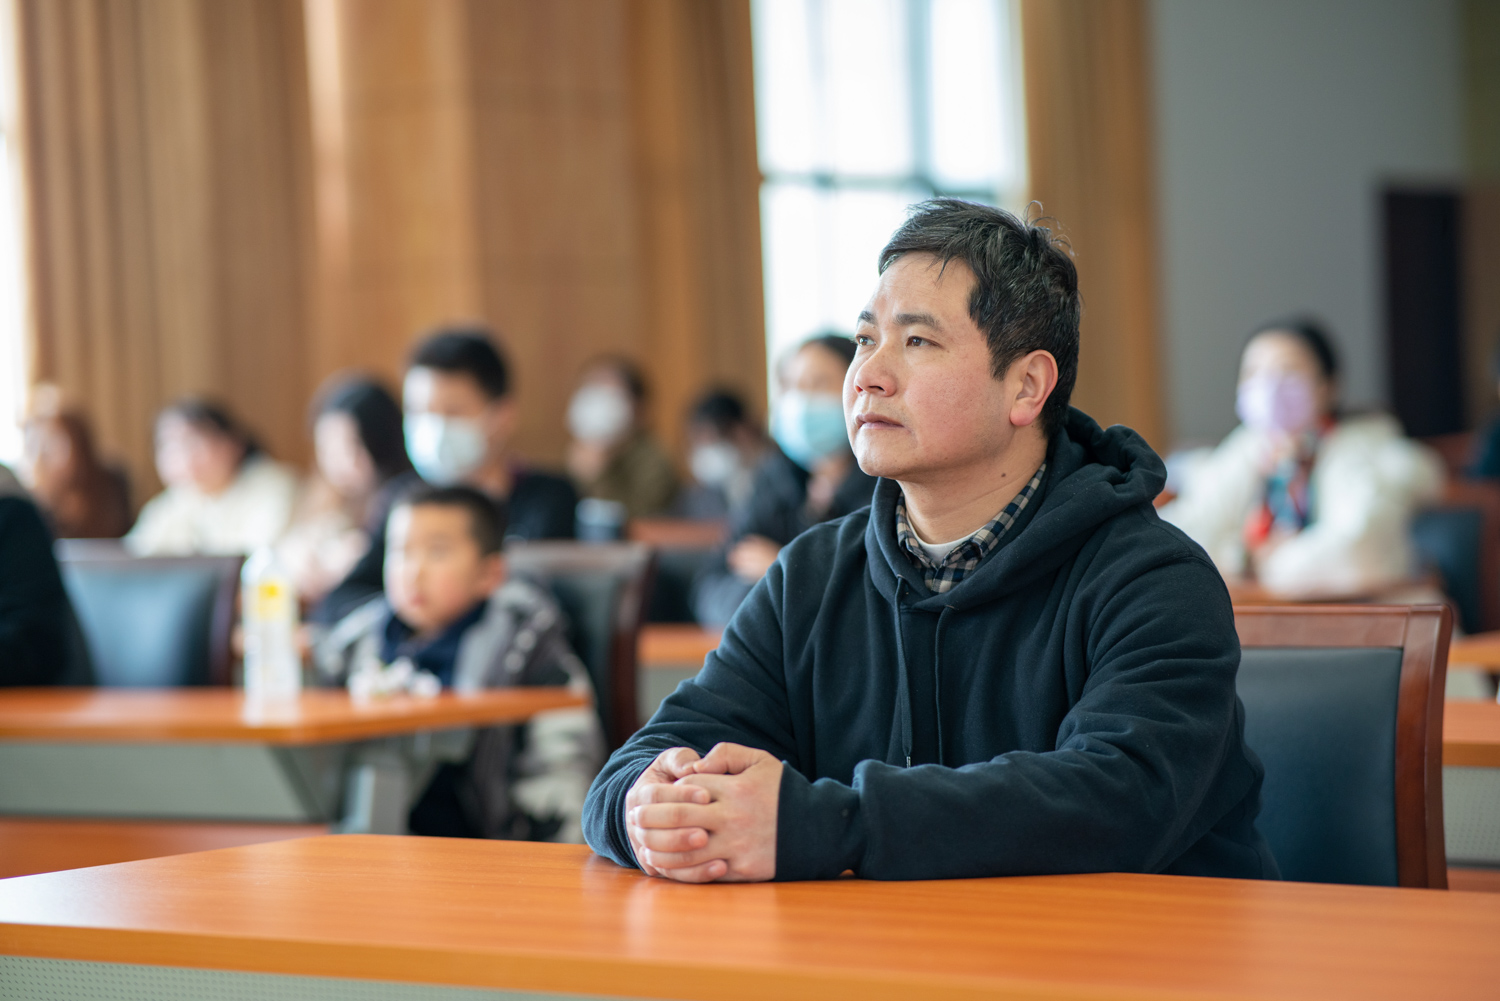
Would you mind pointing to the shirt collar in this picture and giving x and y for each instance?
(943, 575)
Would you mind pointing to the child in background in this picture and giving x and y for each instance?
(450, 618)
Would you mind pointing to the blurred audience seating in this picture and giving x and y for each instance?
(152, 622)
(603, 589)
(1344, 706)
(683, 547)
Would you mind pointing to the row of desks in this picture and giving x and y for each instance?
(1471, 730)
(355, 914)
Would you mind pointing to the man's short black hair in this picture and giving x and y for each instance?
(487, 522)
(1025, 295)
(1313, 335)
(720, 409)
(471, 351)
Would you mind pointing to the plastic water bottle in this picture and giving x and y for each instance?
(268, 603)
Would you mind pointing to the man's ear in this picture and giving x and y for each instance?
(492, 572)
(1034, 377)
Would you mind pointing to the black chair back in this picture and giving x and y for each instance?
(1343, 706)
(153, 621)
(603, 589)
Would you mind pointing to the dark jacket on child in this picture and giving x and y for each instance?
(1069, 706)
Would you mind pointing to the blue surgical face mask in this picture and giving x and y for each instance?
(809, 426)
(444, 450)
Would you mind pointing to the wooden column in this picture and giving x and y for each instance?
(1089, 137)
(165, 161)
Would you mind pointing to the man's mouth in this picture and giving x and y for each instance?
(876, 422)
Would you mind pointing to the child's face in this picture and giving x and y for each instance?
(434, 571)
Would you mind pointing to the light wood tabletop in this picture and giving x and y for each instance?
(673, 644)
(223, 715)
(1471, 734)
(532, 917)
(1481, 650)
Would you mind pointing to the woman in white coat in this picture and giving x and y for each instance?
(1303, 501)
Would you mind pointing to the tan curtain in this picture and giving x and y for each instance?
(581, 175)
(162, 144)
(239, 197)
(1090, 143)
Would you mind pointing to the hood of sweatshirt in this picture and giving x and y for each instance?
(1093, 474)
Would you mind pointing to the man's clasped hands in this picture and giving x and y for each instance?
(699, 819)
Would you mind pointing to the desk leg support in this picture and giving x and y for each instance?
(377, 797)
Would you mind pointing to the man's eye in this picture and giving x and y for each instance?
(863, 339)
(915, 341)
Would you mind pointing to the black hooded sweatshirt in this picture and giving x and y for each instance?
(1069, 706)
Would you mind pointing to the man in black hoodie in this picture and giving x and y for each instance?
(1050, 691)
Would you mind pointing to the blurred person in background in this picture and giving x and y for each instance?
(39, 639)
(460, 416)
(1486, 464)
(361, 465)
(223, 496)
(725, 447)
(1299, 498)
(612, 456)
(81, 497)
(809, 478)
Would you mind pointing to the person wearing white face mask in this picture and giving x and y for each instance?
(612, 456)
(725, 447)
(459, 419)
(810, 478)
(1304, 502)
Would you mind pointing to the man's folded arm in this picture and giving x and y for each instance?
(1122, 790)
(739, 697)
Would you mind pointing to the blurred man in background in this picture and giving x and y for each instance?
(810, 478)
(460, 418)
(613, 457)
(724, 448)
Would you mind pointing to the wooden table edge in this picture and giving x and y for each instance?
(293, 734)
(1470, 754)
(567, 973)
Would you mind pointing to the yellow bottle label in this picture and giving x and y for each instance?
(271, 601)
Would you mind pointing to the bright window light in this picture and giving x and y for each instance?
(864, 107)
(13, 346)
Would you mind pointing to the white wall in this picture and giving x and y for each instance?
(1278, 122)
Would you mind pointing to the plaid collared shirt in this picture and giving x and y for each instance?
(944, 576)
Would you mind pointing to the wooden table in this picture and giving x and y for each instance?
(1480, 650)
(664, 645)
(527, 917)
(1471, 734)
(1471, 783)
(208, 754)
(319, 716)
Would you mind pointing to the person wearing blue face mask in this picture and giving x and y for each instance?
(459, 419)
(1302, 500)
(809, 478)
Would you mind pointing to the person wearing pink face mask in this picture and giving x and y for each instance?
(1302, 500)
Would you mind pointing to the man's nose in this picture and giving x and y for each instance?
(874, 374)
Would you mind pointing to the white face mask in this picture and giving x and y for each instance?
(715, 465)
(444, 450)
(600, 414)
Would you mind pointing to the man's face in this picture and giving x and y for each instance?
(459, 395)
(919, 397)
(434, 571)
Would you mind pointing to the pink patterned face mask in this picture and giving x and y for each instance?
(1283, 402)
